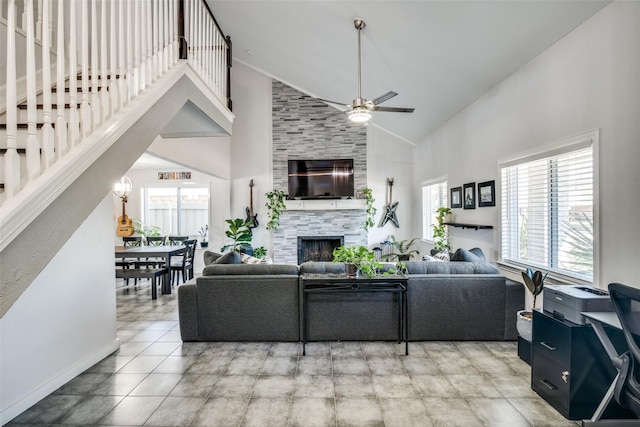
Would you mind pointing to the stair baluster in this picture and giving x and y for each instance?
(85, 109)
(33, 143)
(61, 121)
(104, 66)
(114, 102)
(11, 157)
(74, 115)
(48, 155)
(95, 68)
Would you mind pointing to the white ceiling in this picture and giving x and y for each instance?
(439, 56)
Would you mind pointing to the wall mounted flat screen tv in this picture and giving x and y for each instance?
(321, 179)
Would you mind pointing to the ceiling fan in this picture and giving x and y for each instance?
(360, 109)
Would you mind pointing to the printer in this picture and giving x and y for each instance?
(565, 302)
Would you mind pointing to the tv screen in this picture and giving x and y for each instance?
(321, 179)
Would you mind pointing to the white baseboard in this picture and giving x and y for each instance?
(36, 395)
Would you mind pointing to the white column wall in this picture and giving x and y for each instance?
(587, 80)
(65, 321)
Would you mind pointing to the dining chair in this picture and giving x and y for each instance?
(127, 263)
(156, 240)
(178, 240)
(153, 262)
(183, 265)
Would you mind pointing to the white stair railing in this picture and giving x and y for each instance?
(119, 47)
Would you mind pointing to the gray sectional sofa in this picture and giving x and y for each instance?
(446, 301)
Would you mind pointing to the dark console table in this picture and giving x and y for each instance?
(341, 283)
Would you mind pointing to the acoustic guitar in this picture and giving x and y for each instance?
(125, 224)
(390, 209)
(252, 218)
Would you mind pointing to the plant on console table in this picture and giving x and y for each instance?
(440, 230)
(534, 281)
(357, 259)
(275, 206)
(239, 233)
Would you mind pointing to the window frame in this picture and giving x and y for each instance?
(428, 237)
(179, 210)
(581, 141)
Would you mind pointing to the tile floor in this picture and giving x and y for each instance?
(156, 380)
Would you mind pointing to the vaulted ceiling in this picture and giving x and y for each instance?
(439, 56)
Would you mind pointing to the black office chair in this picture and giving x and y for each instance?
(626, 301)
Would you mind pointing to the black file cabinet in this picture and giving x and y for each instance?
(570, 368)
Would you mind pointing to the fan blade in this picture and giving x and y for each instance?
(394, 109)
(333, 102)
(387, 96)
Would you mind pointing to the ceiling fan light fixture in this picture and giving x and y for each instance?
(359, 115)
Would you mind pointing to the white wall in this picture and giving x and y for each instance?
(390, 157)
(588, 80)
(251, 147)
(66, 319)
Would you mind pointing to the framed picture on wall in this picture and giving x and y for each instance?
(456, 197)
(487, 194)
(469, 191)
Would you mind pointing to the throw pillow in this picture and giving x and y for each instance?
(232, 257)
(443, 255)
(465, 255)
(431, 258)
(210, 257)
(248, 259)
(478, 252)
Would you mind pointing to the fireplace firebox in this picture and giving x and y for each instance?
(317, 248)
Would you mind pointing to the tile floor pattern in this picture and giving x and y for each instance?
(156, 380)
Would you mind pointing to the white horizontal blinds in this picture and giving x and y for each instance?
(547, 213)
(433, 196)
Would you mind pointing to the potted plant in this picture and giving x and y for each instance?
(357, 259)
(275, 206)
(534, 281)
(401, 249)
(440, 230)
(203, 232)
(371, 210)
(239, 233)
(146, 230)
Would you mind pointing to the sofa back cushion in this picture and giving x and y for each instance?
(322, 268)
(453, 267)
(250, 269)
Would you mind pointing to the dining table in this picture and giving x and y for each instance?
(164, 251)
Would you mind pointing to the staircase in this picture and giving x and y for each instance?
(87, 87)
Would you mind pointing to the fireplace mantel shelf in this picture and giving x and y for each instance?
(321, 205)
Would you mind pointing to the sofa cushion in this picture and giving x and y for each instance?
(442, 255)
(229, 258)
(322, 267)
(248, 259)
(466, 255)
(249, 269)
(209, 257)
(452, 267)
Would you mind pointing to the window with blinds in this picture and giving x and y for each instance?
(434, 196)
(547, 211)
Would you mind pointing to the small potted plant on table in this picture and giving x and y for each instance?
(203, 232)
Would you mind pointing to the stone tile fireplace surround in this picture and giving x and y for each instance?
(304, 128)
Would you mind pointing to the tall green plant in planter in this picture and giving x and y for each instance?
(239, 233)
(371, 210)
(440, 230)
(402, 249)
(275, 206)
